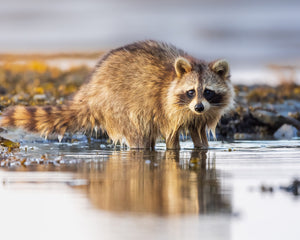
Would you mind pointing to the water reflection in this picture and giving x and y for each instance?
(162, 183)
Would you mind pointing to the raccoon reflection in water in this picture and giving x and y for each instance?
(170, 183)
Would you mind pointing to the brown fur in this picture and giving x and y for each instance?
(137, 93)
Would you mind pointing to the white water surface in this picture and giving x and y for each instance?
(90, 191)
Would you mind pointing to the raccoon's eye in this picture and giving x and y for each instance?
(190, 93)
(208, 94)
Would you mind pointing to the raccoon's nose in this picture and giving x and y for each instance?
(199, 107)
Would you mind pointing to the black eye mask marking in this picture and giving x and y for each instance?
(212, 97)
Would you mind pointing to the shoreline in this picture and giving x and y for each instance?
(268, 74)
(50, 79)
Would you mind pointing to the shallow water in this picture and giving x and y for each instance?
(89, 191)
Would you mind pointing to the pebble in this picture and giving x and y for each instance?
(286, 132)
(39, 97)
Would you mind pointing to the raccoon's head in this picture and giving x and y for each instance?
(202, 87)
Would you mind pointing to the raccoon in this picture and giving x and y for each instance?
(138, 93)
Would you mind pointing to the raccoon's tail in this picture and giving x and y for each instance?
(44, 120)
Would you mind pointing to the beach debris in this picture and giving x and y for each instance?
(258, 123)
(293, 188)
(265, 189)
(8, 143)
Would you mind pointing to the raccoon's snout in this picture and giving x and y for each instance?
(199, 107)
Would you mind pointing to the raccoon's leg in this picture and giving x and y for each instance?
(203, 137)
(152, 143)
(199, 137)
(172, 141)
(136, 142)
(149, 143)
(196, 139)
(135, 145)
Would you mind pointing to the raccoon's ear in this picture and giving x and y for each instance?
(221, 67)
(182, 66)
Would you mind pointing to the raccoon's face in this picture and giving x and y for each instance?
(203, 87)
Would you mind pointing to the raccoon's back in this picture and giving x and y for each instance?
(137, 73)
(138, 66)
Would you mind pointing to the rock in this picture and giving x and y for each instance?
(245, 136)
(8, 143)
(295, 115)
(39, 97)
(292, 188)
(286, 132)
(273, 119)
(3, 90)
(267, 117)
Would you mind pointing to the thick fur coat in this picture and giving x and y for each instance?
(138, 93)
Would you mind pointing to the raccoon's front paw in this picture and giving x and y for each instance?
(201, 146)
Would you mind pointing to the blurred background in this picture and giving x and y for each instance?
(250, 34)
(50, 189)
